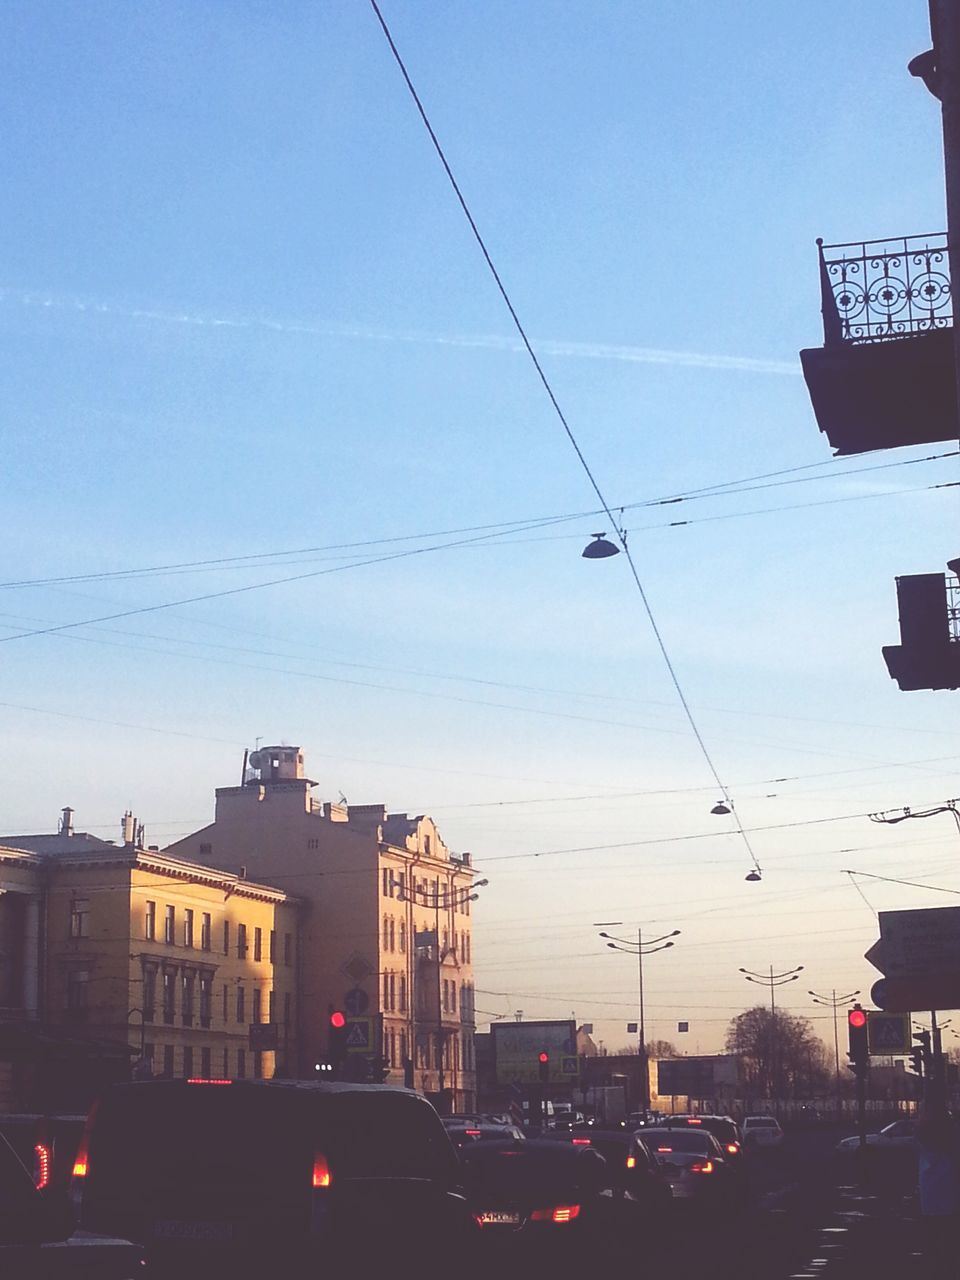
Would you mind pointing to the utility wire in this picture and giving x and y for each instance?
(570, 436)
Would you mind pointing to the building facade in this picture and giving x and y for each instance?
(385, 922)
(192, 967)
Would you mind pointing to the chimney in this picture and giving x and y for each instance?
(66, 821)
(128, 828)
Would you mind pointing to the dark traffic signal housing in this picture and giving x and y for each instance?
(859, 1052)
(336, 1039)
(921, 1058)
(543, 1066)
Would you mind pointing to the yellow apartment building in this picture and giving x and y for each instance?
(385, 922)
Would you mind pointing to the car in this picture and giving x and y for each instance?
(900, 1135)
(724, 1129)
(216, 1173)
(29, 1216)
(761, 1131)
(548, 1199)
(634, 1171)
(462, 1135)
(693, 1162)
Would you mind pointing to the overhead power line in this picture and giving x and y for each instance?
(571, 437)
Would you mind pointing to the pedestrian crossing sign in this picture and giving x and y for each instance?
(888, 1034)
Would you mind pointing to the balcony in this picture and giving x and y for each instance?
(884, 377)
(928, 655)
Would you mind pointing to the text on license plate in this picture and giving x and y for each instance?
(498, 1218)
(171, 1229)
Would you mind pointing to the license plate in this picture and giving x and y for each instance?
(171, 1229)
(498, 1218)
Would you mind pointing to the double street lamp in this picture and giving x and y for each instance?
(642, 947)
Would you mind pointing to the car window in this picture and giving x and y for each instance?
(679, 1140)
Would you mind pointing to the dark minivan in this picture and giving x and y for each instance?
(285, 1171)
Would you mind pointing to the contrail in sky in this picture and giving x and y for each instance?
(483, 341)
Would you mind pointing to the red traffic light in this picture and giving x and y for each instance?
(338, 1019)
(543, 1057)
(856, 1018)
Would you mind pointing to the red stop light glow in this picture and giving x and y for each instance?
(543, 1057)
(857, 1018)
(337, 1019)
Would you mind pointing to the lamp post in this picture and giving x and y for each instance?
(773, 980)
(640, 948)
(446, 900)
(893, 816)
(835, 1002)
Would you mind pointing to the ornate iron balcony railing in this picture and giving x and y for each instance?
(871, 290)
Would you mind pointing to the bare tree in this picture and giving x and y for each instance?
(780, 1054)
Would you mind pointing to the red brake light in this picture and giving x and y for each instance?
(81, 1163)
(694, 1120)
(473, 1133)
(561, 1213)
(321, 1171)
(202, 1080)
(581, 1142)
(664, 1148)
(733, 1147)
(705, 1166)
(41, 1165)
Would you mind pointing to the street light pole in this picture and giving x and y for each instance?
(640, 948)
(773, 980)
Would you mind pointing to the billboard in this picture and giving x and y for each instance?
(696, 1077)
(517, 1046)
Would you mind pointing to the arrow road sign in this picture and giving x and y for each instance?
(903, 995)
(915, 943)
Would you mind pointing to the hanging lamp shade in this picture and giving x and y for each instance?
(754, 876)
(721, 808)
(600, 548)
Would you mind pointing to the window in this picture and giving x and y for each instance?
(206, 1070)
(169, 993)
(271, 1005)
(313, 843)
(393, 938)
(187, 982)
(226, 937)
(241, 1005)
(453, 997)
(257, 1065)
(386, 991)
(169, 925)
(205, 848)
(188, 1061)
(226, 1064)
(255, 1001)
(426, 845)
(150, 922)
(385, 882)
(205, 931)
(258, 943)
(188, 927)
(149, 993)
(273, 946)
(225, 1011)
(403, 993)
(403, 1048)
(287, 1005)
(241, 1064)
(79, 917)
(168, 1059)
(386, 933)
(403, 935)
(393, 993)
(466, 947)
(206, 999)
(401, 881)
(77, 980)
(149, 1054)
(288, 948)
(241, 942)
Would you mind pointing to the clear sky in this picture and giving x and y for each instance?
(241, 314)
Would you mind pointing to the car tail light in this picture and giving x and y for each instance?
(694, 1120)
(473, 1133)
(202, 1080)
(321, 1171)
(631, 1162)
(659, 1149)
(702, 1166)
(582, 1142)
(81, 1163)
(733, 1148)
(41, 1165)
(559, 1213)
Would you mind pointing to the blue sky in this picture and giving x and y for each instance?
(241, 313)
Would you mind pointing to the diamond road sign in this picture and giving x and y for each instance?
(888, 1034)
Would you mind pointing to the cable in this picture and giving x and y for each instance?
(572, 439)
(913, 884)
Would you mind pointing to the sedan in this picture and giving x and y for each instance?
(762, 1131)
(724, 1129)
(464, 1135)
(635, 1175)
(902, 1135)
(693, 1163)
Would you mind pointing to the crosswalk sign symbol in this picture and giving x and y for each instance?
(358, 1035)
(888, 1033)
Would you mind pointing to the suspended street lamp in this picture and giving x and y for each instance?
(600, 548)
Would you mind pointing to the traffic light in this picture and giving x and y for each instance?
(859, 1053)
(921, 1058)
(916, 1062)
(543, 1065)
(336, 1039)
